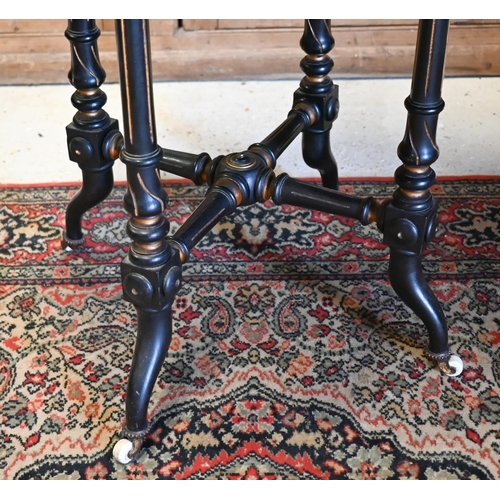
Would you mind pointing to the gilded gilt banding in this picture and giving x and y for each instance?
(84, 66)
(147, 190)
(127, 83)
(431, 55)
(148, 84)
(134, 200)
(429, 136)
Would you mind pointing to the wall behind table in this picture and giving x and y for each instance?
(36, 51)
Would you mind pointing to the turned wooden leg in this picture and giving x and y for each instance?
(151, 271)
(318, 89)
(93, 137)
(409, 219)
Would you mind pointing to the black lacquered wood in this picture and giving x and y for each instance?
(409, 282)
(317, 41)
(294, 192)
(91, 126)
(428, 70)
(86, 72)
(152, 270)
(145, 198)
(317, 153)
(134, 54)
(409, 220)
(318, 89)
(186, 165)
(418, 149)
(153, 339)
(218, 203)
(96, 186)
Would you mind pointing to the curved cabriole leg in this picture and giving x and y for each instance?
(96, 186)
(151, 272)
(415, 291)
(93, 136)
(317, 154)
(154, 332)
(408, 281)
(317, 88)
(409, 219)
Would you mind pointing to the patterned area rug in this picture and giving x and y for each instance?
(292, 357)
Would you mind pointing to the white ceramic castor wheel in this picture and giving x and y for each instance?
(122, 450)
(457, 364)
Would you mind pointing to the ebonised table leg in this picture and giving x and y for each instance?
(409, 219)
(151, 272)
(317, 89)
(93, 137)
